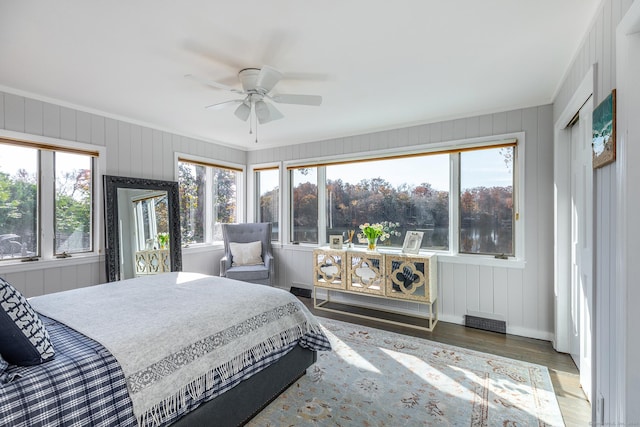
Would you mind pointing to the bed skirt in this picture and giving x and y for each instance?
(238, 405)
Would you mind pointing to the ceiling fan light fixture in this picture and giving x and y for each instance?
(274, 113)
(262, 112)
(243, 111)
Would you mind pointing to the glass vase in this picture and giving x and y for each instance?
(372, 243)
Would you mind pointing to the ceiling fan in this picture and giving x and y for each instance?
(257, 84)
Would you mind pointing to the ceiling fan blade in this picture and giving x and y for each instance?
(277, 43)
(218, 56)
(306, 76)
(220, 105)
(297, 99)
(243, 111)
(268, 78)
(213, 84)
(266, 112)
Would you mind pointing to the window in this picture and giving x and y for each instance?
(30, 204)
(192, 202)
(73, 203)
(471, 211)
(18, 202)
(208, 198)
(486, 201)
(268, 199)
(151, 220)
(412, 192)
(304, 205)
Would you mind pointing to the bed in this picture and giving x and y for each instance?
(173, 349)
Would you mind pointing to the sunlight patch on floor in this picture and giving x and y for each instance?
(349, 354)
(427, 372)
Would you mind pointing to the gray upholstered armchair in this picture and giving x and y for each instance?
(247, 266)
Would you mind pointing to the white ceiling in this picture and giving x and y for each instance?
(377, 64)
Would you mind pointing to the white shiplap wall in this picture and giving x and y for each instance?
(598, 48)
(522, 296)
(131, 150)
(627, 293)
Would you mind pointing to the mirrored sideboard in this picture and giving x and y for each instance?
(376, 274)
(152, 262)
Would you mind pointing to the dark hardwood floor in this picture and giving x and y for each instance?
(574, 406)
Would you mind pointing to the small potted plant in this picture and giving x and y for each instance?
(382, 230)
(163, 240)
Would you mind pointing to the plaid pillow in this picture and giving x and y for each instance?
(24, 340)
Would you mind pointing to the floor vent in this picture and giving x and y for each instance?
(492, 325)
(301, 292)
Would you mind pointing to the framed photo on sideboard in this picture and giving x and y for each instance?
(412, 242)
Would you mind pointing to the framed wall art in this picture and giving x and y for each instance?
(604, 131)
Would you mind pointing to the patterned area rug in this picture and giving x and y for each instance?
(378, 378)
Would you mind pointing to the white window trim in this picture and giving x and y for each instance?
(452, 255)
(458, 144)
(454, 203)
(322, 205)
(241, 192)
(285, 178)
(320, 179)
(46, 180)
(252, 189)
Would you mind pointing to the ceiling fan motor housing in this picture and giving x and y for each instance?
(248, 78)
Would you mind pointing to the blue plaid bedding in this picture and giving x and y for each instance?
(84, 385)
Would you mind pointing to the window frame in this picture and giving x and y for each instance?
(514, 173)
(253, 188)
(138, 217)
(240, 193)
(46, 197)
(53, 154)
(452, 147)
(321, 178)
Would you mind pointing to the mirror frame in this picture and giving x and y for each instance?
(112, 236)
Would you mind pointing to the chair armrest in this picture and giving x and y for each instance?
(268, 262)
(271, 266)
(223, 266)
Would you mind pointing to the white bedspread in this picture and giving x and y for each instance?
(172, 332)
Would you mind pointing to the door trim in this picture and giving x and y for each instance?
(562, 213)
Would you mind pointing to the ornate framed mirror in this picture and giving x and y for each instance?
(142, 227)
